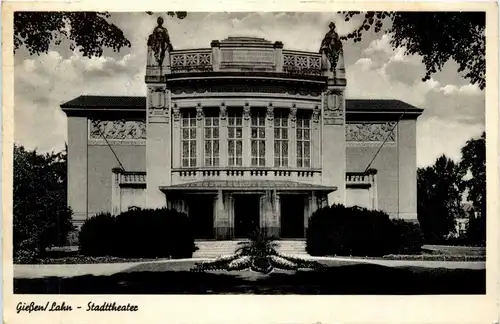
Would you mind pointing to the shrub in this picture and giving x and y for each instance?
(97, 235)
(26, 251)
(410, 237)
(139, 233)
(340, 230)
(41, 218)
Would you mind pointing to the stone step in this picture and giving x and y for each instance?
(213, 249)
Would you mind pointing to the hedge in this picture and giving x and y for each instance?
(355, 231)
(140, 233)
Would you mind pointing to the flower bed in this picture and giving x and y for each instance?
(80, 259)
(420, 257)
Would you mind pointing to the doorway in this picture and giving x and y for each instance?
(292, 216)
(246, 215)
(201, 215)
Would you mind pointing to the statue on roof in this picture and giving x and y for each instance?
(159, 41)
(331, 46)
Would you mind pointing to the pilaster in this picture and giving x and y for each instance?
(216, 55)
(222, 226)
(278, 56)
(200, 149)
(115, 191)
(315, 138)
(158, 144)
(407, 169)
(223, 135)
(292, 130)
(78, 168)
(333, 143)
(270, 136)
(246, 135)
(176, 136)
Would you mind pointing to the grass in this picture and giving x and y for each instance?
(348, 279)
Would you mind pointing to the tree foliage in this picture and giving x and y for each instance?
(89, 32)
(473, 164)
(41, 217)
(436, 36)
(439, 196)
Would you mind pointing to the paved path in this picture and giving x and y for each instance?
(106, 269)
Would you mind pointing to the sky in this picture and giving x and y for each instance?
(454, 109)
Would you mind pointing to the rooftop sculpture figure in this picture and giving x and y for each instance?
(159, 41)
(331, 46)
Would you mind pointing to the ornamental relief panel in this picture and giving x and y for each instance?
(332, 108)
(371, 132)
(117, 130)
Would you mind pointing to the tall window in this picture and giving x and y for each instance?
(280, 140)
(188, 139)
(235, 138)
(211, 140)
(303, 141)
(258, 139)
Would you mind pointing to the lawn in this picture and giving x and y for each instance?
(367, 279)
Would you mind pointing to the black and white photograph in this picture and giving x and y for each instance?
(249, 153)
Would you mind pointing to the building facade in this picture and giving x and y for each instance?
(242, 135)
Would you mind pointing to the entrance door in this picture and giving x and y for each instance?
(292, 216)
(201, 214)
(246, 215)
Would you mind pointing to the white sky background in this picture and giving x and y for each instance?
(454, 109)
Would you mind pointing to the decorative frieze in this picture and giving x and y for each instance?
(371, 132)
(246, 88)
(120, 131)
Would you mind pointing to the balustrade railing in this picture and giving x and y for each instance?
(352, 178)
(199, 60)
(295, 62)
(181, 175)
(204, 60)
(132, 178)
(358, 178)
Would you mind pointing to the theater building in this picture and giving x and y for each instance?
(241, 135)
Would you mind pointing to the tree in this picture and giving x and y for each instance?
(41, 217)
(436, 36)
(90, 32)
(439, 193)
(473, 164)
